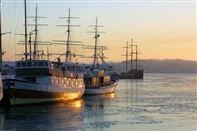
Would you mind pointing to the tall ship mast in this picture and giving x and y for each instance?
(97, 80)
(41, 80)
(68, 42)
(135, 72)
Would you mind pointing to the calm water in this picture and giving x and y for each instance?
(161, 102)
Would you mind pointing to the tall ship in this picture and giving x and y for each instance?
(40, 80)
(135, 71)
(97, 79)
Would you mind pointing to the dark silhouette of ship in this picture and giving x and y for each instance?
(135, 71)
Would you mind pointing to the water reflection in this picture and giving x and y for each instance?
(47, 117)
(155, 103)
(1, 121)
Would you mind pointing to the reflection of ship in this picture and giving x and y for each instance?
(38, 80)
(51, 116)
(134, 72)
(97, 80)
(99, 101)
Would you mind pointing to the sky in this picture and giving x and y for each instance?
(161, 29)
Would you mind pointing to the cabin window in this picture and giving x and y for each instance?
(41, 64)
(18, 64)
(46, 64)
(28, 63)
(35, 64)
(23, 64)
(32, 79)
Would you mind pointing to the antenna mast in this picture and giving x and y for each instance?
(68, 38)
(131, 54)
(126, 47)
(68, 41)
(25, 29)
(95, 46)
(126, 56)
(36, 53)
(36, 33)
(136, 57)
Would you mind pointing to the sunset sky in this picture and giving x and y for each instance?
(162, 29)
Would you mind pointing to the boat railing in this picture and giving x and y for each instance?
(33, 64)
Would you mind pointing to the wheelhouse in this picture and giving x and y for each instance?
(33, 64)
(33, 68)
(73, 69)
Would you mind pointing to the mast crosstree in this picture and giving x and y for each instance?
(127, 47)
(68, 42)
(36, 53)
(96, 48)
(126, 55)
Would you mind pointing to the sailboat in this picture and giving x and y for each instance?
(97, 80)
(38, 80)
(135, 72)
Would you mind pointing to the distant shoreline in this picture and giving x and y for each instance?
(177, 66)
(166, 66)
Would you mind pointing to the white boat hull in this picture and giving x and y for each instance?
(102, 90)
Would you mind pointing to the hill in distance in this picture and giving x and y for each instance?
(161, 66)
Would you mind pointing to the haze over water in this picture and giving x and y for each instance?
(161, 102)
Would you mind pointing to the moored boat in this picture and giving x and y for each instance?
(97, 79)
(40, 80)
(134, 72)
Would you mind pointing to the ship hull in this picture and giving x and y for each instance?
(101, 90)
(135, 74)
(20, 93)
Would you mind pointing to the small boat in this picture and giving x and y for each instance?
(97, 79)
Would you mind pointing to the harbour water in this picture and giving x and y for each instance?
(160, 102)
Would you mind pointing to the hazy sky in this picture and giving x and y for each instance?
(162, 29)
